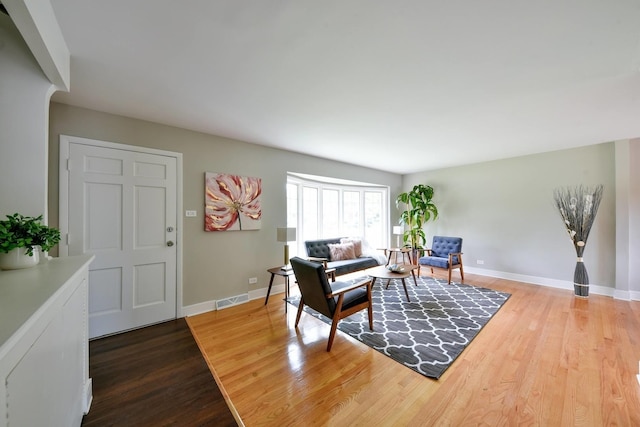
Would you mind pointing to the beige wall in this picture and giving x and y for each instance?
(216, 265)
(634, 217)
(504, 211)
(24, 101)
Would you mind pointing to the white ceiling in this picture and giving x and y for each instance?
(402, 86)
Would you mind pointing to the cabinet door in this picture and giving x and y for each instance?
(46, 388)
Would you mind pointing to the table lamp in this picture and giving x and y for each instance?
(286, 235)
(397, 230)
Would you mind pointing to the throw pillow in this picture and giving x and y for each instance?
(341, 251)
(357, 245)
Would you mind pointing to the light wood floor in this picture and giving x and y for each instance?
(545, 359)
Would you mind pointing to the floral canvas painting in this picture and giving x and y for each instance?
(232, 202)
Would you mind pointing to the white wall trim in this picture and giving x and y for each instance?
(622, 295)
(207, 306)
(199, 308)
(87, 396)
(276, 290)
(542, 281)
(39, 28)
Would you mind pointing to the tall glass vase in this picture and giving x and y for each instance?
(580, 276)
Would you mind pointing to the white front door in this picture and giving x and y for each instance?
(122, 208)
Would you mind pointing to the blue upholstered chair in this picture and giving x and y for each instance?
(445, 253)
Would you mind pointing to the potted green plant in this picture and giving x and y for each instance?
(419, 209)
(19, 235)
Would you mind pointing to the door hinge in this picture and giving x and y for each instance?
(68, 164)
(68, 239)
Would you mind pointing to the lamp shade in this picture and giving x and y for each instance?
(286, 234)
(397, 229)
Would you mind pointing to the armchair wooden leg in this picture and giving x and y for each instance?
(337, 315)
(370, 308)
(300, 307)
(449, 282)
(334, 326)
(461, 272)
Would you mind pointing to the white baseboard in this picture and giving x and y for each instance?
(207, 306)
(201, 307)
(542, 281)
(204, 307)
(88, 395)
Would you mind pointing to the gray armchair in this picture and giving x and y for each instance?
(336, 300)
(445, 254)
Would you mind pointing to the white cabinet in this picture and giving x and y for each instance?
(44, 354)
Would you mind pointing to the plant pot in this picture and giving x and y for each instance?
(17, 259)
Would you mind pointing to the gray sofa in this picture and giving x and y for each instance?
(319, 250)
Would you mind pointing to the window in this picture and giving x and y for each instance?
(320, 207)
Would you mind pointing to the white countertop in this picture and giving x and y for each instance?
(23, 292)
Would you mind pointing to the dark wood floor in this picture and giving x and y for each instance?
(153, 376)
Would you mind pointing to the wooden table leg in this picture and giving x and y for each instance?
(286, 293)
(413, 273)
(266, 300)
(405, 289)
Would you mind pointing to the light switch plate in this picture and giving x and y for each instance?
(190, 213)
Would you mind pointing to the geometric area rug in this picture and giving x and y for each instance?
(428, 333)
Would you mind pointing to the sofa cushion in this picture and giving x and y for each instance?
(352, 265)
(434, 261)
(341, 251)
(357, 245)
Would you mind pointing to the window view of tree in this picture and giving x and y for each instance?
(319, 209)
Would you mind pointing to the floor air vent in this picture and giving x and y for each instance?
(231, 301)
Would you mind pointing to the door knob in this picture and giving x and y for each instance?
(169, 243)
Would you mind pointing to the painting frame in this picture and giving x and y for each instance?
(232, 202)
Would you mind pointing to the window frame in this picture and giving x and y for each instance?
(334, 184)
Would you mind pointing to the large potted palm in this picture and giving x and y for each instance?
(418, 210)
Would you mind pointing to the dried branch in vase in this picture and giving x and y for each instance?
(578, 207)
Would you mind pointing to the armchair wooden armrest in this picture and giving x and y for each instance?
(452, 254)
(342, 290)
